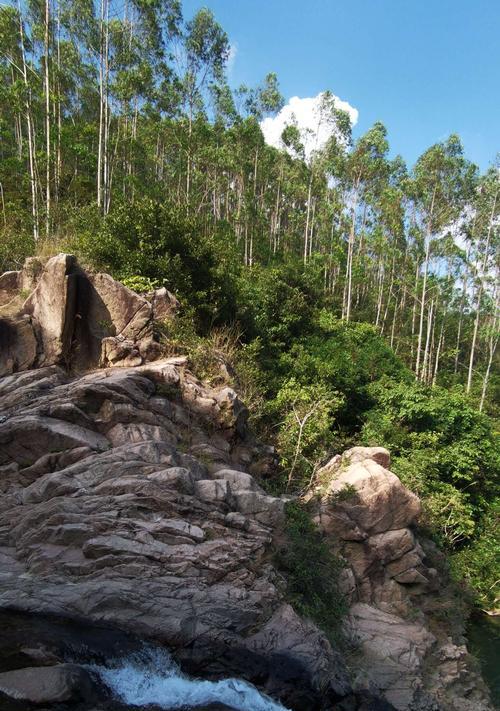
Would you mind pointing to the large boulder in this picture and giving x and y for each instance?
(47, 685)
(9, 286)
(110, 322)
(369, 517)
(367, 499)
(353, 456)
(165, 305)
(18, 349)
(51, 305)
(128, 313)
(300, 654)
(76, 318)
(393, 651)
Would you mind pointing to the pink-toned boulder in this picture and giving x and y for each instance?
(51, 304)
(366, 499)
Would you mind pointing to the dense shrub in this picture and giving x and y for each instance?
(160, 244)
(347, 357)
(277, 305)
(14, 248)
(443, 449)
(479, 563)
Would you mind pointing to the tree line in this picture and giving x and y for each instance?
(104, 104)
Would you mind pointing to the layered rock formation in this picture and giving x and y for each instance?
(129, 498)
(129, 507)
(403, 651)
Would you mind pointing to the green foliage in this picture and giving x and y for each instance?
(140, 284)
(312, 572)
(442, 448)
(347, 493)
(479, 564)
(14, 248)
(347, 357)
(275, 304)
(156, 244)
(306, 415)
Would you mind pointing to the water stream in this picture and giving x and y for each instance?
(133, 673)
(152, 677)
(484, 642)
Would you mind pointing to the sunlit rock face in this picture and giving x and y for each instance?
(52, 312)
(369, 517)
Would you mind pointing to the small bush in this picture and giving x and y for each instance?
(479, 564)
(312, 572)
(140, 284)
(347, 493)
(211, 357)
(14, 248)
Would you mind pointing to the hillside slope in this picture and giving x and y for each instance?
(130, 497)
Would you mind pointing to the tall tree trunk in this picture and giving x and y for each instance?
(380, 290)
(492, 346)
(350, 250)
(423, 373)
(308, 213)
(58, 165)
(424, 285)
(47, 118)
(3, 205)
(493, 339)
(438, 352)
(414, 311)
(479, 294)
(461, 315)
(101, 103)
(30, 132)
(389, 295)
(107, 116)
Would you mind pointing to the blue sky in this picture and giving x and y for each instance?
(425, 68)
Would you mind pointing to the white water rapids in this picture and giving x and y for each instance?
(152, 677)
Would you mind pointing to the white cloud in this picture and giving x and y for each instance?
(306, 115)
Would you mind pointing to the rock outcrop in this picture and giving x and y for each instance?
(46, 685)
(369, 516)
(129, 507)
(52, 312)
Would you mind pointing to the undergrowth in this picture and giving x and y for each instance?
(312, 572)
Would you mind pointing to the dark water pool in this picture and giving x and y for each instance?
(484, 643)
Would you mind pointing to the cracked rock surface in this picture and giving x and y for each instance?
(129, 498)
(401, 652)
(108, 512)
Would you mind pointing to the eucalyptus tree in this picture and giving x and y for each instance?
(365, 169)
(442, 183)
(203, 56)
(485, 235)
(17, 54)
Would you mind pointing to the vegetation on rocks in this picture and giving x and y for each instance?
(356, 298)
(312, 572)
